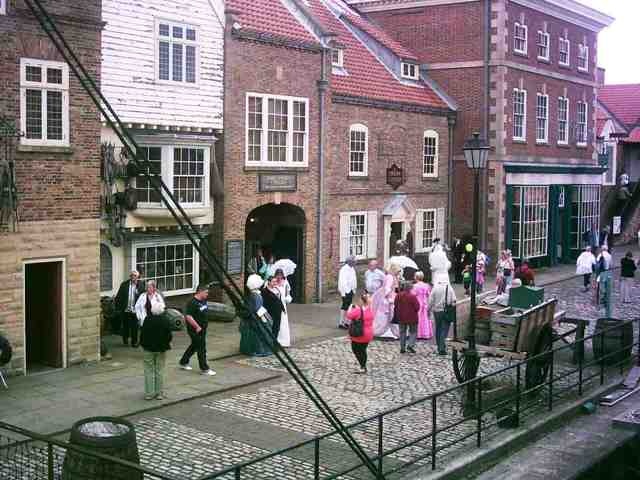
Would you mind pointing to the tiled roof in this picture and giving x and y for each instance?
(270, 17)
(601, 119)
(623, 101)
(634, 136)
(366, 76)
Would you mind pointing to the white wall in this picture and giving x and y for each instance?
(129, 69)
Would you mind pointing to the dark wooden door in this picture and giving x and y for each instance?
(288, 244)
(43, 314)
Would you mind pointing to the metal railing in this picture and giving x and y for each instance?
(444, 426)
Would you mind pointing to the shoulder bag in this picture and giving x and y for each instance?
(356, 328)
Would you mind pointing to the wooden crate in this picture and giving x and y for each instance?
(505, 327)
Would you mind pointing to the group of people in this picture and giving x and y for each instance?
(391, 307)
(142, 314)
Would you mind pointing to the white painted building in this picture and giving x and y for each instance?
(162, 72)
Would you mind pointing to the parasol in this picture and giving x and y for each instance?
(403, 262)
(286, 265)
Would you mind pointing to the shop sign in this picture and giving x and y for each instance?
(277, 183)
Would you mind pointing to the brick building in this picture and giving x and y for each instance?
(49, 243)
(523, 73)
(324, 112)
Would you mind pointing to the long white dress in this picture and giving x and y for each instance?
(383, 305)
(284, 336)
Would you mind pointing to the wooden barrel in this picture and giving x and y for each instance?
(108, 436)
(219, 312)
(618, 340)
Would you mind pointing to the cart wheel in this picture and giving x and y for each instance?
(464, 368)
(538, 369)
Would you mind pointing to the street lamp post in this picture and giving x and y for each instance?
(476, 152)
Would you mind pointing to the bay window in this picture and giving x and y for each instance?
(172, 264)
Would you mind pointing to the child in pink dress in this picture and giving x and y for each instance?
(422, 291)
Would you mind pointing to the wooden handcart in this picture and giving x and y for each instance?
(515, 335)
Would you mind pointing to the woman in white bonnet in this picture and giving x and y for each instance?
(250, 342)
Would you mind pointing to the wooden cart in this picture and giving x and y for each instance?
(515, 335)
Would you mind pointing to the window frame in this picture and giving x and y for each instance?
(44, 87)
(583, 48)
(195, 274)
(359, 128)
(422, 213)
(167, 152)
(564, 141)
(3, 7)
(104, 249)
(436, 156)
(194, 43)
(340, 61)
(548, 45)
(410, 67)
(566, 42)
(532, 217)
(545, 139)
(522, 138)
(517, 25)
(365, 235)
(586, 124)
(264, 145)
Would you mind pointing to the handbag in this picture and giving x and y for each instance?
(449, 310)
(356, 327)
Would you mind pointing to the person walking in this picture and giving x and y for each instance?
(383, 302)
(125, 303)
(273, 304)
(373, 278)
(196, 317)
(407, 308)
(627, 272)
(422, 291)
(360, 343)
(504, 272)
(604, 279)
(347, 285)
(284, 335)
(155, 339)
(526, 275)
(441, 301)
(585, 265)
(481, 265)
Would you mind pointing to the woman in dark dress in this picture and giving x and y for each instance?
(273, 303)
(252, 343)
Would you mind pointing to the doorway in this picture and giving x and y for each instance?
(44, 315)
(278, 230)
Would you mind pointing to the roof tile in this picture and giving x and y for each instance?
(623, 101)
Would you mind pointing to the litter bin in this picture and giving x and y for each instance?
(108, 436)
(618, 340)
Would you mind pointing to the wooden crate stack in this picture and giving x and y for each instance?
(505, 327)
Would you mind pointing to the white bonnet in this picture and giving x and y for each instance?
(254, 282)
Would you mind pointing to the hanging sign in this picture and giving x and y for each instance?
(395, 176)
(617, 225)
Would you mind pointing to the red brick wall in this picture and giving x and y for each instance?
(55, 184)
(444, 33)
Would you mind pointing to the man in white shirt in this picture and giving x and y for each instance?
(347, 285)
(373, 278)
(604, 263)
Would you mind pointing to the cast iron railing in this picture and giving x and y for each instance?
(38, 457)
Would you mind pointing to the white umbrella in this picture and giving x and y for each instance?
(403, 262)
(286, 265)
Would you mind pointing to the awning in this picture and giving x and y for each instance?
(553, 174)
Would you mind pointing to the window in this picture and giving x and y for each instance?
(184, 169)
(563, 120)
(358, 235)
(564, 52)
(581, 125)
(519, 114)
(543, 45)
(44, 102)
(3, 7)
(337, 57)
(542, 118)
(429, 226)
(585, 212)
(106, 269)
(177, 52)
(173, 266)
(277, 130)
(358, 150)
(520, 38)
(583, 58)
(410, 70)
(430, 154)
(530, 220)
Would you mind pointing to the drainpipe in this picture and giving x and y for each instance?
(452, 123)
(485, 127)
(323, 84)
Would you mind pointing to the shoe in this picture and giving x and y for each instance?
(148, 397)
(411, 350)
(403, 351)
(186, 367)
(442, 353)
(134, 345)
(209, 373)
(160, 396)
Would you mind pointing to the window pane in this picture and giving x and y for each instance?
(177, 32)
(34, 74)
(34, 114)
(188, 175)
(163, 29)
(278, 127)
(54, 115)
(163, 61)
(191, 34)
(190, 74)
(54, 75)
(145, 192)
(357, 235)
(177, 62)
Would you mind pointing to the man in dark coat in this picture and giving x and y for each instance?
(125, 303)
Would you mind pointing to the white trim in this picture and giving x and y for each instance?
(413, 70)
(553, 179)
(586, 123)
(566, 120)
(264, 162)
(44, 87)
(63, 293)
(436, 159)
(584, 48)
(167, 242)
(567, 42)
(193, 43)
(546, 118)
(340, 62)
(523, 137)
(538, 44)
(3, 7)
(419, 231)
(359, 128)
(517, 25)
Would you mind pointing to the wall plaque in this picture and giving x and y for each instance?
(285, 182)
(234, 255)
(395, 176)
